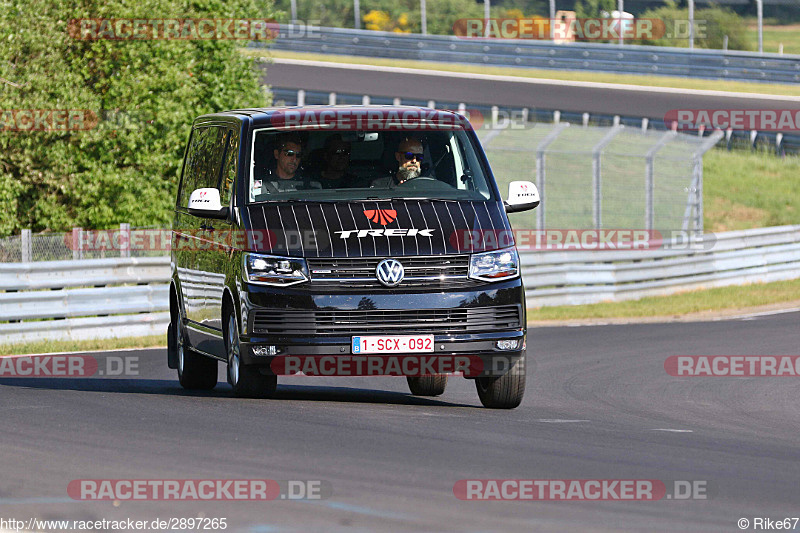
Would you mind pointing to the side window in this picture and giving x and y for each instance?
(229, 170)
(190, 167)
(204, 161)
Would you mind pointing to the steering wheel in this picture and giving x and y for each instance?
(427, 178)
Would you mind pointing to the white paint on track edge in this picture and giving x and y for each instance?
(84, 352)
(532, 81)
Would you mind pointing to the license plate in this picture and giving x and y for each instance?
(393, 344)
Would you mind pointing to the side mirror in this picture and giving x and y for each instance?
(205, 203)
(522, 196)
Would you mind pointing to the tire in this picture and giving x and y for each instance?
(504, 392)
(427, 385)
(247, 381)
(195, 371)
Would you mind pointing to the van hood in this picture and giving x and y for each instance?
(377, 229)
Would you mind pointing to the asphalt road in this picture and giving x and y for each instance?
(544, 94)
(597, 404)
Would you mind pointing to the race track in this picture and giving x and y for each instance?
(605, 99)
(597, 404)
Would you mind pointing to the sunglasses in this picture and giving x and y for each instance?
(411, 155)
(292, 153)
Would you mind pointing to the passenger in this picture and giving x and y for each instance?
(336, 173)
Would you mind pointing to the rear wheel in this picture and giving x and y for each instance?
(195, 371)
(504, 392)
(247, 381)
(433, 385)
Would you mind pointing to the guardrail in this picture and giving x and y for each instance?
(84, 299)
(127, 297)
(733, 258)
(781, 143)
(627, 59)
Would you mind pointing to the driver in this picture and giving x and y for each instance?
(409, 156)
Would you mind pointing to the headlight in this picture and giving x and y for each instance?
(274, 270)
(494, 266)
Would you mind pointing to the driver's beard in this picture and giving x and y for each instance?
(405, 174)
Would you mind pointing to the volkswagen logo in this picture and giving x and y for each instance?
(390, 272)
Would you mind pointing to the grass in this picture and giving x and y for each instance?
(774, 36)
(564, 75)
(735, 297)
(50, 346)
(745, 190)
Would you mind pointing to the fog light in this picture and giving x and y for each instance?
(263, 351)
(508, 344)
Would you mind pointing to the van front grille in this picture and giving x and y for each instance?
(387, 321)
(434, 272)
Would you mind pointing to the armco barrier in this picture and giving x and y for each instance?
(84, 299)
(733, 258)
(123, 297)
(627, 59)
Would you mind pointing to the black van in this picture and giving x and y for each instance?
(345, 240)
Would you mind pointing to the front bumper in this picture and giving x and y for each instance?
(336, 342)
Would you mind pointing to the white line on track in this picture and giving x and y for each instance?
(561, 421)
(674, 430)
(533, 81)
(751, 316)
(87, 351)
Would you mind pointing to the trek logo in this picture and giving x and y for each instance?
(381, 216)
(387, 232)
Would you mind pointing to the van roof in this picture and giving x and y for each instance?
(264, 115)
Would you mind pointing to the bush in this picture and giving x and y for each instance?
(718, 22)
(145, 94)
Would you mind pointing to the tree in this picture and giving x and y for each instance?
(140, 98)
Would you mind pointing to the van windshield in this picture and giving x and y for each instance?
(359, 165)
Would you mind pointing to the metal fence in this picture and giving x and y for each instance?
(628, 59)
(84, 244)
(601, 178)
(124, 297)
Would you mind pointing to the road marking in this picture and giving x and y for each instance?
(533, 81)
(674, 430)
(752, 316)
(24, 501)
(560, 421)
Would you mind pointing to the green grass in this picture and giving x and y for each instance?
(788, 35)
(153, 341)
(735, 297)
(750, 190)
(565, 75)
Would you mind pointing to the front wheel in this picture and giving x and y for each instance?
(195, 371)
(247, 381)
(433, 385)
(504, 392)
